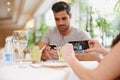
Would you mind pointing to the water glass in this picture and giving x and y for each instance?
(20, 39)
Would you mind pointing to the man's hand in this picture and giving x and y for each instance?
(49, 53)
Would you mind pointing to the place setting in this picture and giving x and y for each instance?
(55, 64)
(37, 62)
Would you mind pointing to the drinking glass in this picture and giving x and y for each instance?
(20, 40)
(36, 54)
(59, 54)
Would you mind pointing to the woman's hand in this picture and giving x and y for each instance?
(67, 52)
(95, 46)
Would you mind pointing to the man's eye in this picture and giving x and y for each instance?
(64, 18)
(56, 19)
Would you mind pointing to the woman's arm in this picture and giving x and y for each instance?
(108, 69)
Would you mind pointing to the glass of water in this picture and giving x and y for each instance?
(20, 40)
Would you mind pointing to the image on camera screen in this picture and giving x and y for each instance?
(79, 45)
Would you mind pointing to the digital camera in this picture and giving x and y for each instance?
(80, 46)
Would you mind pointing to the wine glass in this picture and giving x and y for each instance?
(20, 40)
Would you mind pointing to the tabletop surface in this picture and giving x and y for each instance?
(41, 71)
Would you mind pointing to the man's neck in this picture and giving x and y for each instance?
(66, 32)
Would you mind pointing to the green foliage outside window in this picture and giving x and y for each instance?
(40, 31)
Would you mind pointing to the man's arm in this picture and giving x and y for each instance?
(42, 44)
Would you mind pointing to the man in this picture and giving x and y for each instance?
(62, 33)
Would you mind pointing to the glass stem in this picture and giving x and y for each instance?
(20, 56)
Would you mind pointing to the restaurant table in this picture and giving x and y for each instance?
(40, 72)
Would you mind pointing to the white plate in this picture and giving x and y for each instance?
(36, 65)
(55, 64)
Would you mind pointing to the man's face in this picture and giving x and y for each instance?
(62, 20)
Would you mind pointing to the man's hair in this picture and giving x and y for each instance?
(60, 6)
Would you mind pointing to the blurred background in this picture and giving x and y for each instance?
(100, 18)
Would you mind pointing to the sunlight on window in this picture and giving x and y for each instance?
(103, 6)
(49, 18)
(30, 24)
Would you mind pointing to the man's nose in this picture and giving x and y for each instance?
(60, 21)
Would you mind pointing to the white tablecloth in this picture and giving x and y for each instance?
(13, 72)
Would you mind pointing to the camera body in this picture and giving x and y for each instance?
(80, 46)
(52, 46)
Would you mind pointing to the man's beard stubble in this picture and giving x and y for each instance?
(63, 29)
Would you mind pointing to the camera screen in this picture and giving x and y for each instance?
(79, 45)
